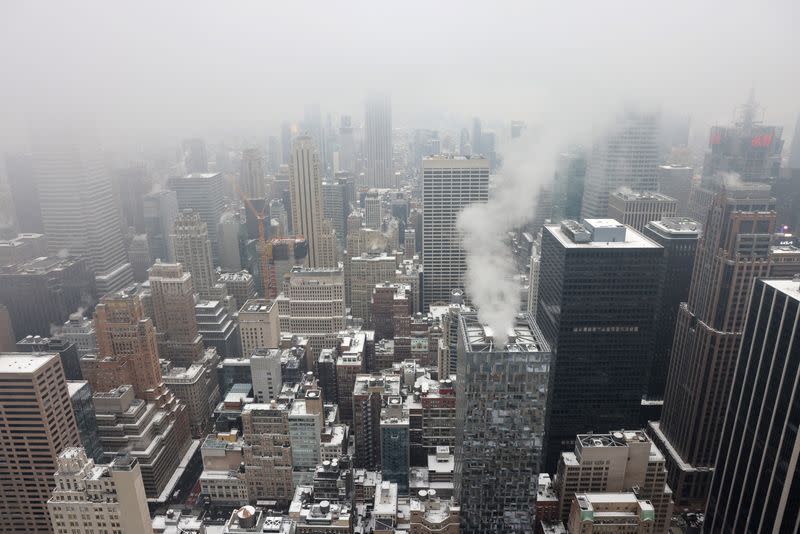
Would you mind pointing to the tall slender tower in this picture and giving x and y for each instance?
(378, 141)
(172, 296)
(756, 480)
(501, 402)
(449, 184)
(193, 250)
(628, 156)
(731, 254)
(78, 209)
(305, 187)
(251, 175)
(37, 423)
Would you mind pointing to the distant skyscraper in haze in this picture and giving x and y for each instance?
(251, 174)
(449, 184)
(732, 252)
(273, 153)
(598, 291)
(676, 181)
(568, 185)
(195, 156)
(305, 187)
(748, 149)
(160, 211)
(8, 219)
(786, 188)
(22, 183)
(286, 143)
(502, 395)
(755, 485)
(193, 250)
(477, 134)
(627, 156)
(203, 193)
(38, 423)
(347, 145)
(78, 209)
(378, 150)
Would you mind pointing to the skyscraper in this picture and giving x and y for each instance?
(598, 291)
(195, 156)
(203, 193)
(786, 188)
(37, 425)
(678, 236)
(251, 174)
(568, 185)
(628, 155)
(172, 297)
(638, 209)
(126, 347)
(160, 211)
(193, 250)
(347, 145)
(22, 183)
(90, 498)
(731, 254)
(78, 210)
(501, 399)
(378, 142)
(449, 184)
(676, 181)
(755, 485)
(305, 188)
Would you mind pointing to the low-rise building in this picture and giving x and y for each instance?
(610, 513)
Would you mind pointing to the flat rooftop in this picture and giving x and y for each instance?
(524, 336)
(790, 288)
(633, 239)
(24, 362)
(683, 226)
(642, 195)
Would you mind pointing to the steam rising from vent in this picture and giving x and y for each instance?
(490, 283)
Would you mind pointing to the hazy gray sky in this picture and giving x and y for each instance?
(192, 66)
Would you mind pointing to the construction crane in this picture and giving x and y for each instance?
(264, 248)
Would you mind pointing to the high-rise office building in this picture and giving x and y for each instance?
(195, 156)
(265, 368)
(196, 384)
(78, 210)
(676, 181)
(38, 424)
(129, 185)
(501, 404)
(755, 484)
(364, 272)
(306, 192)
(312, 306)
(748, 149)
(92, 498)
(252, 182)
(80, 394)
(373, 215)
(395, 433)
(172, 297)
(80, 331)
(568, 185)
(44, 291)
(7, 336)
(449, 184)
(259, 325)
(22, 183)
(732, 252)
(637, 209)
(160, 211)
(678, 236)
(378, 152)
(240, 285)
(203, 193)
(217, 326)
(598, 292)
(347, 145)
(67, 351)
(785, 188)
(477, 135)
(192, 246)
(337, 206)
(615, 462)
(628, 156)
(233, 238)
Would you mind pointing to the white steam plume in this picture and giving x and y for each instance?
(490, 284)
